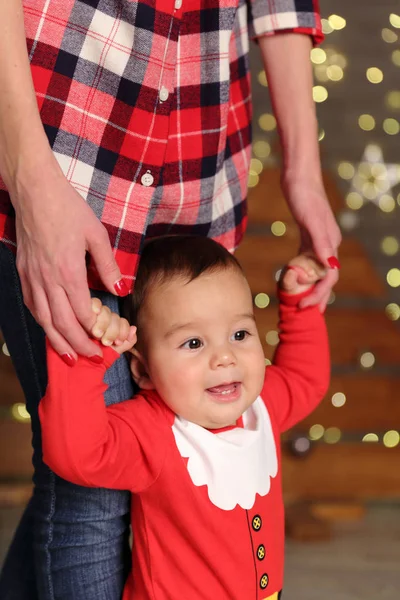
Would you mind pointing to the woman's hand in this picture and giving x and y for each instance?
(319, 232)
(55, 228)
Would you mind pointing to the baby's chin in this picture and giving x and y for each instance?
(221, 423)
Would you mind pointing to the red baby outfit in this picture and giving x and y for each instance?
(207, 510)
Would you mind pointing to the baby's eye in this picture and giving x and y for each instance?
(239, 336)
(193, 344)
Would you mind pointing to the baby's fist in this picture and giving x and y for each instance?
(111, 329)
(301, 274)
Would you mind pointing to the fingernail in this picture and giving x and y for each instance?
(68, 359)
(96, 359)
(121, 288)
(333, 262)
(98, 333)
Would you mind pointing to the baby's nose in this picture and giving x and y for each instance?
(223, 357)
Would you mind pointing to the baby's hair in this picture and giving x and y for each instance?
(166, 257)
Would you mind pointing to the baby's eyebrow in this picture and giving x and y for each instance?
(246, 316)
(178, 327)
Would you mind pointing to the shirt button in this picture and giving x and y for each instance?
(147, 179)
(261, 552)
(264, 581)
(256, 522)
(178, 4)
(164, 93)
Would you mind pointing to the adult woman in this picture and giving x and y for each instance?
(143, 128)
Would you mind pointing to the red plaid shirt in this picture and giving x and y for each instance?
(147, 107)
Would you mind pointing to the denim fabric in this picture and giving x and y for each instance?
(72, 542)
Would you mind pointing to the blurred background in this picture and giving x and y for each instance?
(341, 467)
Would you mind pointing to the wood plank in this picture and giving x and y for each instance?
(372, 405)
(267, 202)
(342, 471)
(351, 332)
(262, 256)
(15, 450)
(10, 390)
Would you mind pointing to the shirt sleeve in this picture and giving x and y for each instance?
(299, 377)
(268, 17)
(118, 447)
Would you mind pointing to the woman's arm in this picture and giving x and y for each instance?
(24, 148)
(286, 58)
(55, 227)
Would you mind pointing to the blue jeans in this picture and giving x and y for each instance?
(72, 542)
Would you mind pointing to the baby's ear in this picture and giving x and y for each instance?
(139, 371)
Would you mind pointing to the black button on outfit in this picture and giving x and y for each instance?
(256, 522)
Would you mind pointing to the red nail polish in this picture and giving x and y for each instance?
(333, 262)
(68, 359)
(96, 359)
(121, 288)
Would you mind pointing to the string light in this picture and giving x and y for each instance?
(348, 220)
(261, 149)
(253, 179)
(262, 300)
(278, 228)
(391, 126)
(320, 93)
(396, 57)
(332, 435)
(332, 298)
(386, 203)
(374, 75)
(256, 166)
(354, 200)
(392, 311)
(326, 26)
(391, 439)
(316, 432)
(393, 277)
(389, 36)
(272, 338)
(389, 245)
(367, 360)
(262, 78)
(370, 437)
(346, 170)
(267, 122)
(318, 56)
(334, 72)
(338, 399)
(393, 99)
(19, 412)
(366, 122)
(394, 20)
(337, 22)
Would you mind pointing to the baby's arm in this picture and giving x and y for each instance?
(89, 444)
(299, 377)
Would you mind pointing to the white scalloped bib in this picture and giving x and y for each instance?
(235, 465)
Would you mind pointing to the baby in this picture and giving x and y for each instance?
(198, 447)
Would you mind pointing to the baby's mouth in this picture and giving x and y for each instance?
(225, 391)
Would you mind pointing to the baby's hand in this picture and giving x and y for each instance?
(111, 329)
(301, 273)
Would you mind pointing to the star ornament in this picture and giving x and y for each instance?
(374, 180)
